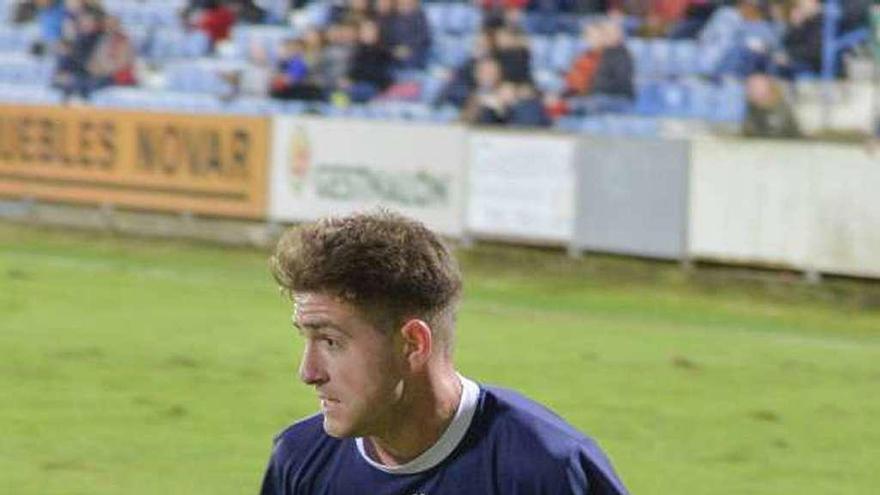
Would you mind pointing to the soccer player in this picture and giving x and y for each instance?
(375, 300)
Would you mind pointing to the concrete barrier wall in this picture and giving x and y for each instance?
(322, 166)
(521, 186)
(808, 206)
(632, 197)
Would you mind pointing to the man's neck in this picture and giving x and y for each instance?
(428, 409)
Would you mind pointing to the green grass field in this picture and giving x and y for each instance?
(150, 367)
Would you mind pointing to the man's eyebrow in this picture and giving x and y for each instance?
(318, 326)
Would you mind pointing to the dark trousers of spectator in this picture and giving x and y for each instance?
(362, 91)
(306, 92)
(83, 85)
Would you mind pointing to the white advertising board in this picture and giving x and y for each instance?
(521, 186)
(802, 205)
(328, 167)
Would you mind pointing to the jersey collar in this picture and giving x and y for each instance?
(448, 441)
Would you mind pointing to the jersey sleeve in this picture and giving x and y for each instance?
(273, 479)
(589, 472)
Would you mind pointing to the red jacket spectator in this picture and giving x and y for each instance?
(503, 4)
(216, 21)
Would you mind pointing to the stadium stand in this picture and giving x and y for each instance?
(697, 77)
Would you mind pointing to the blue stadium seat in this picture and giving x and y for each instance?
(444, 114)
(29, 94)
(659, 52)
(674, 99)
(540, 48)
(436, 14)
(431, 87)
(702, 99)
(638, 48)
(462, 18)
(731, 102)
(171, 44)
(250, 105)
(648, 99)
(26, 70)
(266, 38)
(684, 58)
(610, 125)
(449, 51)
(17, 38)
(196, 78)
(548, 81)
(563, 52)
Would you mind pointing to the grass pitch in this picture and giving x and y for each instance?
(150, 367)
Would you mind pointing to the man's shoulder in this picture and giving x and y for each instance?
(308, 431)
(534, 443)
(521, 419)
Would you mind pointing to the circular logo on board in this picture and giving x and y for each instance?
(300, 159)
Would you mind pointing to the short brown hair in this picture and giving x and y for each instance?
(389, 267)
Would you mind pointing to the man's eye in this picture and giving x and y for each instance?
(331, 343)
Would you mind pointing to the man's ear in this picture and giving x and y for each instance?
(418, 343)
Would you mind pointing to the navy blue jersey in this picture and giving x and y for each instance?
(508, 445)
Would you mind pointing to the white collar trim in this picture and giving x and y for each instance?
(448, 441)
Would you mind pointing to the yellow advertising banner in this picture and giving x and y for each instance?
(213, 165)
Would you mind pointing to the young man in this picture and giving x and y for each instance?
(375, 300)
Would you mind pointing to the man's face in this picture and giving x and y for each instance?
(354, 368)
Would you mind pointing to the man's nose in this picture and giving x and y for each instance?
(311, 369)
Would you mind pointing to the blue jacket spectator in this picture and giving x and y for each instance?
(291, 79)
(409, 35)
(738, 40)
(370, 71)
(802, 40)
(514, 55)
(51, 21)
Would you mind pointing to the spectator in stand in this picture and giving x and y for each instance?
(496, 13)
(215, 19)
(499, 102)
(112, 63)
(370, 71)
(487, 103)
(802, 40)
(615, 74)
(24, 11)
(50, 18)
(351, 12)
(462, 81)
(855, 15)
(72, 10)
(313, 47)
(696, 15)
(579, 79)
(513, 54)
(769, 113)
(246, 11)
(738, 40)
(385, 15)
(657, 16)
(71, 74)
(527, 109)
(601, 79)
(291, 78)
(335, 60)
(409, 36)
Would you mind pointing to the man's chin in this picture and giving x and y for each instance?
(336, 430)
